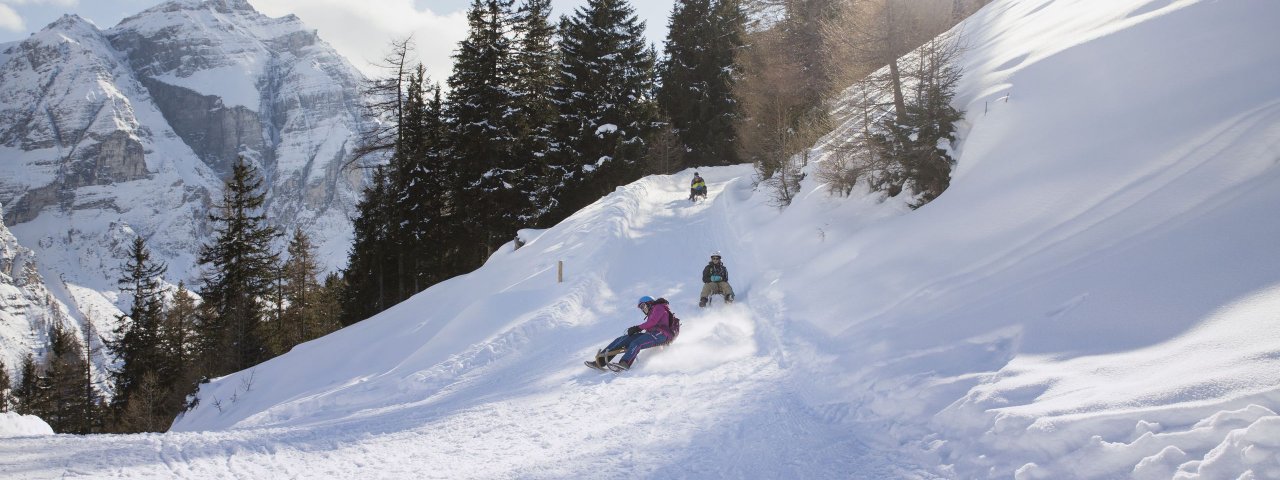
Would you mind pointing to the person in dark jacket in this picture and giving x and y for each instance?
(655, 331)
(715, 279)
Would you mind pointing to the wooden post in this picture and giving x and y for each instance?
(560, 271)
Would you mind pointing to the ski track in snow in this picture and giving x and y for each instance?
(718, 403)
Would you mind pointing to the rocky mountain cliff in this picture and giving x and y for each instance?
(110, 134)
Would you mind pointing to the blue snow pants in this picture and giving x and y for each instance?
(635, 343)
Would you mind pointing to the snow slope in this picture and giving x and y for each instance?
(1096, 296)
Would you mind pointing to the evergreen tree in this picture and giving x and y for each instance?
(909, 144)
(805, 44)
(28, 396)
(367, 275)
(421, 179)
(481, 110)
(537, 69)
(240, 268)
(698, 77)
(6, 389)
(394, 255)
(329, 307)
(604, 97)
(137, 345)
(68, 409)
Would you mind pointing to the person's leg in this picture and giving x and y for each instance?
(727, 290)
(707, 289)
(643, 341)
(618, 346)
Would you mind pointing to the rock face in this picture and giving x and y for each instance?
(66, 121)
(130, 131)
(27, 307)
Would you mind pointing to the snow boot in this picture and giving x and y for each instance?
(702, 302)
(620, 366)
(728, 298)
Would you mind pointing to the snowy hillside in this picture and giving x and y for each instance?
(1095, 296)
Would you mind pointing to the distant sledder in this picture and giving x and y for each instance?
(659, 328)
(697, 188)
(715, 280)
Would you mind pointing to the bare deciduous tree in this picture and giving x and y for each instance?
(384, 102)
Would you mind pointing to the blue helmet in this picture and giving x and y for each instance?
(645, 299)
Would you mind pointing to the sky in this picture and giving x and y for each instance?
(1095, 296)
(359, 29)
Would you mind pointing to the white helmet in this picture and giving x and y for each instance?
(715, 254)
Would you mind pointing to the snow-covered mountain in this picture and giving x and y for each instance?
(1096, 296)
(27, 308)
(110, 134)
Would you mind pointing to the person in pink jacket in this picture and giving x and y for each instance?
(659, 328)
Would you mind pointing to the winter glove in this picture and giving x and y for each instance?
(717, 278)
(633, 330)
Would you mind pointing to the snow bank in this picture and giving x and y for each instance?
(15, 425)
(1095, 292)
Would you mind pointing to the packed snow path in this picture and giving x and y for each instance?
(718, 403)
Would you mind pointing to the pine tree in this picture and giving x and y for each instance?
(604, 97)
(481, 110)
(29, 398)
(68, 409)
(806, 45)
(240, 268)
(537, 68)
(698, 77)
(421, 179)
(329, 308)
(6, 389)
(392, 257)
(367, 276)
(137, 345)
(908, 144)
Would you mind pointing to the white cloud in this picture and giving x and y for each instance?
(362, 30)
(56, 3)
(10, 20)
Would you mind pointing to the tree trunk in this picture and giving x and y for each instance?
(895, 79)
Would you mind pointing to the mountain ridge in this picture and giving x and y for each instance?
(111, 133)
